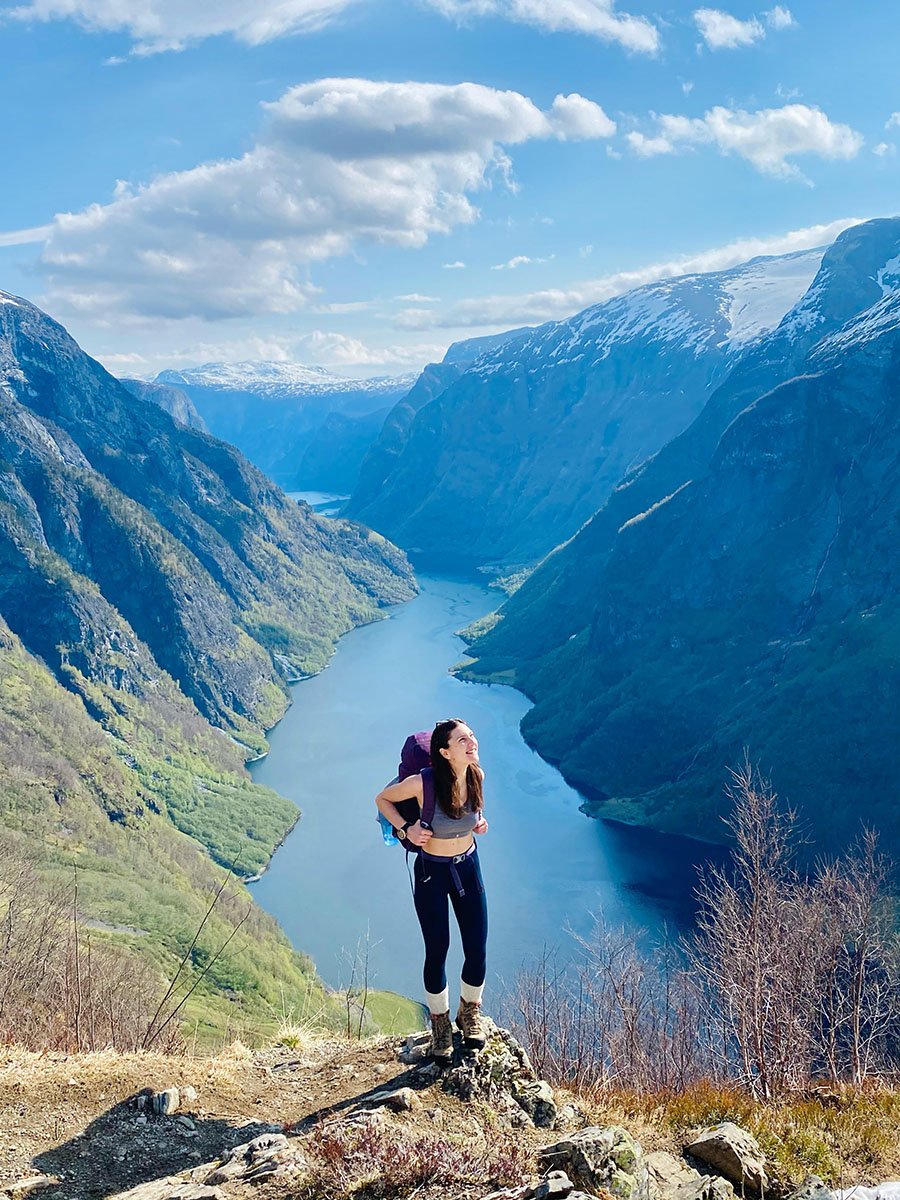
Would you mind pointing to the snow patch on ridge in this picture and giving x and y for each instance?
(280, 379)
(759, 296)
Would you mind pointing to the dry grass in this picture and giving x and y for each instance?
(846, 1136)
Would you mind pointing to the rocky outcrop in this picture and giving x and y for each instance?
(733, 1153)
(601, 1159)
(172, 399)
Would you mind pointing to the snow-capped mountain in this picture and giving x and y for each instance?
(288, 380)
(282, 414)
(741, 588)
(529, 441)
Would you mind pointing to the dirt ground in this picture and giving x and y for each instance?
(74, 1118)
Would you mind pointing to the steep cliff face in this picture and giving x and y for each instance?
(741, 590)
(531, 439)
(385, 451)
(175, 402)
(230, 586)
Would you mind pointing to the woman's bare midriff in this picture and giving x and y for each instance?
(448, 847)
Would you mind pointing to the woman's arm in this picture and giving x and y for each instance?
(388, 798)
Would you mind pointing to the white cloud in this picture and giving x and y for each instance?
(574, 119)
(339, 350)
(687, 86)
(649, 147)
(24, 237)
(884, 148)
(585, 251)
(416, 298)
(338, 162)
(521, 260)
(597, 18)
(893, 121)
(767, 139)
(779, 17)
(504, 312)
(158, 25)
(454, 266)
(721, 31)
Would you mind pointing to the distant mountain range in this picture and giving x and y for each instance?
(305, 427)
(527, 441)
(740, 588)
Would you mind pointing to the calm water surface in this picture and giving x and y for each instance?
(547, 867)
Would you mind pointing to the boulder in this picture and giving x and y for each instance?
(399, 1099)
(812, 1188)
(166, 1101)
(672, 1179)
(598, 1157)
(536, 1098)
(734, 1153)
(264, 1156)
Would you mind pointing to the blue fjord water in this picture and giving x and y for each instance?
(548, 869)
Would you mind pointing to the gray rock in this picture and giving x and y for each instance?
(536, 1098)
(672, 1179)
(556, 1185)
(601, 1157)
(165, 1102)
(734, 1153)
(22, 1187)
(812, 1188)
(254, 1160)
(188, 1094)
(399, 1099)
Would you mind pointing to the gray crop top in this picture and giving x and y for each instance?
(447, 827)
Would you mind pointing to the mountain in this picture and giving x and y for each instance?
(740, 589)
(156, 594)
(529, 440)
(274, 412)
(172, 399)
(384, 451)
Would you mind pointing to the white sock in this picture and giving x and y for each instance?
(471, 994)
(438, 1002)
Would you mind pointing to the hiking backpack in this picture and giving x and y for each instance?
(415, 759)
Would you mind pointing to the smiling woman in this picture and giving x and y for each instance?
(447, 871)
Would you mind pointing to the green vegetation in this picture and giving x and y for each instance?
(114, 803)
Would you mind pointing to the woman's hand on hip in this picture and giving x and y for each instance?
(417, 835)
(481, 827)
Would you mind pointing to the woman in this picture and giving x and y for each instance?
(447, 872)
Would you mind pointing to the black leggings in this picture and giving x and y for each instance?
(434, 885)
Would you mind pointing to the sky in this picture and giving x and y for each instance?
(359, 183)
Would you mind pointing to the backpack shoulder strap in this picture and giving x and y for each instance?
(428, 798)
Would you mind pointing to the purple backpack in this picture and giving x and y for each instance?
(415, 759)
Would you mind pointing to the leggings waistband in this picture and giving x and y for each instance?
(451, 863)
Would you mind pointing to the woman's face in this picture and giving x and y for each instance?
(462, 749)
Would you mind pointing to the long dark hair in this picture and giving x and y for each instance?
(443, 773)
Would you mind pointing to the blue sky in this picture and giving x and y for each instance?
(358, 183)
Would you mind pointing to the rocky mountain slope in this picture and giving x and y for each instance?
(739, 589)
(156, 593)
(332, 1119)
(176, 403)
(384, 452)
(277, 412)
(529, 441)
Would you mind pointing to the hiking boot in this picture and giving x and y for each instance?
(470, 1024)
(441, 1048)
